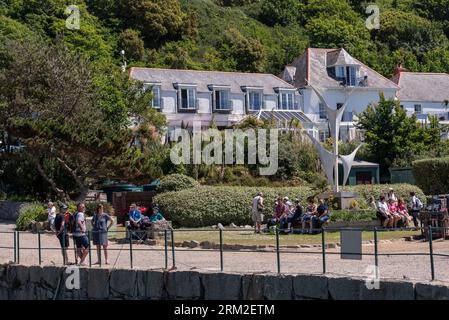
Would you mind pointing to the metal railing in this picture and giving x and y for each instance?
(169, 247)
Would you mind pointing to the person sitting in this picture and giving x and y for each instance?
(135, 217)
(403, 212)
(393, 208)
(296, 216)
(283, 219)
(310, 213)
(278, 212)
(322, 215)
(156, 215)
(383, 213)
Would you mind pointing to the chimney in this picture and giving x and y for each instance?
(399, 68)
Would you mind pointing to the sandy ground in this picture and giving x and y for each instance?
(303, 260)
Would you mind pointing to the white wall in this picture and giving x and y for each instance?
(426, 107)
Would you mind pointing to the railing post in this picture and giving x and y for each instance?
(432, 266)
(39, 246)
(18, 247)
(130, 250)
(278, 256)
(323, 246)
(99, 247)
(15, 246)
(89, 236)
(166, 249)
(172, 234)
(221, 249)
(376, 258)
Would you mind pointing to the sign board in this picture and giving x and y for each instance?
(351, 244)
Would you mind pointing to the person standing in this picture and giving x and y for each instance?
(51, 215)
(61, 229)
(257, 208)
(101, 223)
(415, 206)
(79, 234)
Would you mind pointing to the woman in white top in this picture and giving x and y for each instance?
(51, 210)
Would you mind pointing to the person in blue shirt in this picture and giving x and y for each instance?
(135, 217)
(322, 214)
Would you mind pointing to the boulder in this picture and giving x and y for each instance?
(221, 286)
(17, 275)
(123, 283)
(345, 288)
(98, 283)
(307, 286)
(278, 287)
(431, 291)
(194, 244)
(51, 276)
(389, 290)
(206, 245)
(154, 285)
(183, 285)
(253, 287)
(185, 244)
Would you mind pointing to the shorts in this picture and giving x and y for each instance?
(323, 219)
(63, 240)
(307, 217)
(81, 242)
(257, 217)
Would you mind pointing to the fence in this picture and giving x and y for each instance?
(169, 250)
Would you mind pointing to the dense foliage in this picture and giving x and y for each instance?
(176, 182)
(30, 213)
(206, 206)
(432, 175)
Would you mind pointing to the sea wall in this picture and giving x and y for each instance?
(38, 283)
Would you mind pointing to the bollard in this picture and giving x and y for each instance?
(278, 256)
(18, 247)
(432, 266)
(323, 246)
(376, 258)
(221, 249)
(173, 248)
(89, 236)
(39, 246)
(130, 250)
(166, 249)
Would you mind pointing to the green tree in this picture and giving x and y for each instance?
(282, 12)
(129, 40)
(389, 133)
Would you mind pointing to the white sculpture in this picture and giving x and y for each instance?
(328, 159)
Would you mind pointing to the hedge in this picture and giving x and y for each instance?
(30, 213)
(176, 182)
(205, 205)
(432, 175)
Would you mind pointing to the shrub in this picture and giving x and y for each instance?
(432, 175)
(29, 213)
(176, 182)
(91, 208)
(348, 216)
(402, 190)
(207, 205)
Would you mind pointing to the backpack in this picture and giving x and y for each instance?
(72, 223)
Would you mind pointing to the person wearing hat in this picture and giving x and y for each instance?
(61, 229)
(257, 209)
(391, 195)
(156, 214)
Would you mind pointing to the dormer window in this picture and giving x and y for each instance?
(347, 75)
(221, 100)
(156, 100)
(187, 101)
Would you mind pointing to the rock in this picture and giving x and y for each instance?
(221, 286)
(35, 274)
(389, 290)
(183, 285)
(248, 227)
(310, 286)
(331, 246)
(278, 287)
(154, 286)
(98, 284)
(206, 245)
(46, 226)
(123, 283)
(306, 246)
(25, 292)
(51, 276)
(194, 244)
(185, 244)
(214, 226)
(17, 275)
(252, 287)
(233, 226)
(431, 291)
(151, 242)
(345, 288)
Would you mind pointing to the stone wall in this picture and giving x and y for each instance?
(9, 210)
(37, 283)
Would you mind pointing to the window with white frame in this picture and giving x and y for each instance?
(352, 76)
(188, 100)
(255, 100)
(418, 109)
(221, 99)
(340, 72)
(322, 111)
(286, 101)
(323, 135)
(156, 100)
